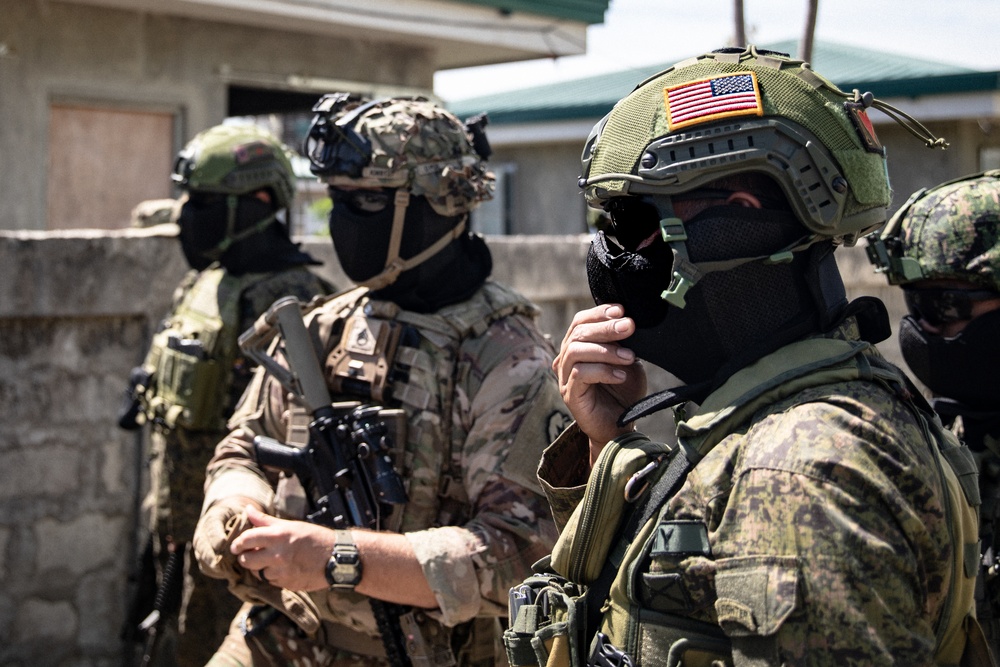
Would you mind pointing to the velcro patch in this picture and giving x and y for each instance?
(251, 152)
(712, 98)
(863, 125)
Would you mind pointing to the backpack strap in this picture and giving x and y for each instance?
(665, 487)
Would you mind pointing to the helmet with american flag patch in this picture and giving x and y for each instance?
(746, 110)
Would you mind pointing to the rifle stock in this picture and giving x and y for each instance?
(347, 466)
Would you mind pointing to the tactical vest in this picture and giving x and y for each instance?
(640, 619)
(412, 361)
(191, 357)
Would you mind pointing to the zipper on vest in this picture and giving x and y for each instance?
(599, 478)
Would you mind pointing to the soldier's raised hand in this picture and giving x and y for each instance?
(598, 377)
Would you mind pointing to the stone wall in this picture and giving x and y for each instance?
(76, 313)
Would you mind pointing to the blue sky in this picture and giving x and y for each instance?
(637, 33)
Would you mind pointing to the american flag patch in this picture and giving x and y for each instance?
(712, 98)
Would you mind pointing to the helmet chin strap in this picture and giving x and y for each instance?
(685, 274)
(394, 264)
(231, 237)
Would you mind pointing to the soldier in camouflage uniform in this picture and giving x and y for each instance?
(807, 516)
(235, 181)
(467, 366)
(943, 248)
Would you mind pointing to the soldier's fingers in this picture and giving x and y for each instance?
(583, 375)
(252, 540)
(591, 316)
(253, 560)
(259, 518)
(584, 351)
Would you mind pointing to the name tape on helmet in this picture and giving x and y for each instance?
(712, 98)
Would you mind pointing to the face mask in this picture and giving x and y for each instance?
(965, 368)
(203, 222)
(360, 232)
(727, 311)
(202, 228)
(633, 279)
(361, 228)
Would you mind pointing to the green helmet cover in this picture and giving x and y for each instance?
(421, 147)
(948, 232)
(236, 160)
(811, 137)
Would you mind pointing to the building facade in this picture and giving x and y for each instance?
(97, 96)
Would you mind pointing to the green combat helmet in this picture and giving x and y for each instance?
(948, 232)
(739, 110)
(403, 142)
(236, 160)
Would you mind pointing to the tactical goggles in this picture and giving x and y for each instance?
(362, 202)
(940, 305)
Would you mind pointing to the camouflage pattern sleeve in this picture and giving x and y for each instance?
(829, 540)
(507, 408)
(233, 469)
(563, 473)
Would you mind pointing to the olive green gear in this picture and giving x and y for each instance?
(415, 145)
(236, 160)
(804, 139)
(948, 232)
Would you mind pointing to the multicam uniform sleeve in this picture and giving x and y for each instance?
(563, 473)
(233, 470)
(829, 538)
(507, 408)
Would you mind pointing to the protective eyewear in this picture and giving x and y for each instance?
(633, 220)
(362, 202)
(939, 306)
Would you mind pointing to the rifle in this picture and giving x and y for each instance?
(347, 466)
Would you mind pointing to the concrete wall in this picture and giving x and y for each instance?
(68, 53)
(546, 198)
(76, 312)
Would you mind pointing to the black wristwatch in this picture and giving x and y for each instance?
(343, 570)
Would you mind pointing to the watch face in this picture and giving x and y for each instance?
(344, 568)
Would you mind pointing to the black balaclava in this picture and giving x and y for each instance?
(203, 222)
(361, 241)
(965, 368)
(734, 315)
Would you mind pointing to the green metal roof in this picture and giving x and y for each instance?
(885, 74)
(585, 11)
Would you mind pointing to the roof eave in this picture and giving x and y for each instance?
(457, 34)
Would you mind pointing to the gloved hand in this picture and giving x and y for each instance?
(218, 527)
(212, 537)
